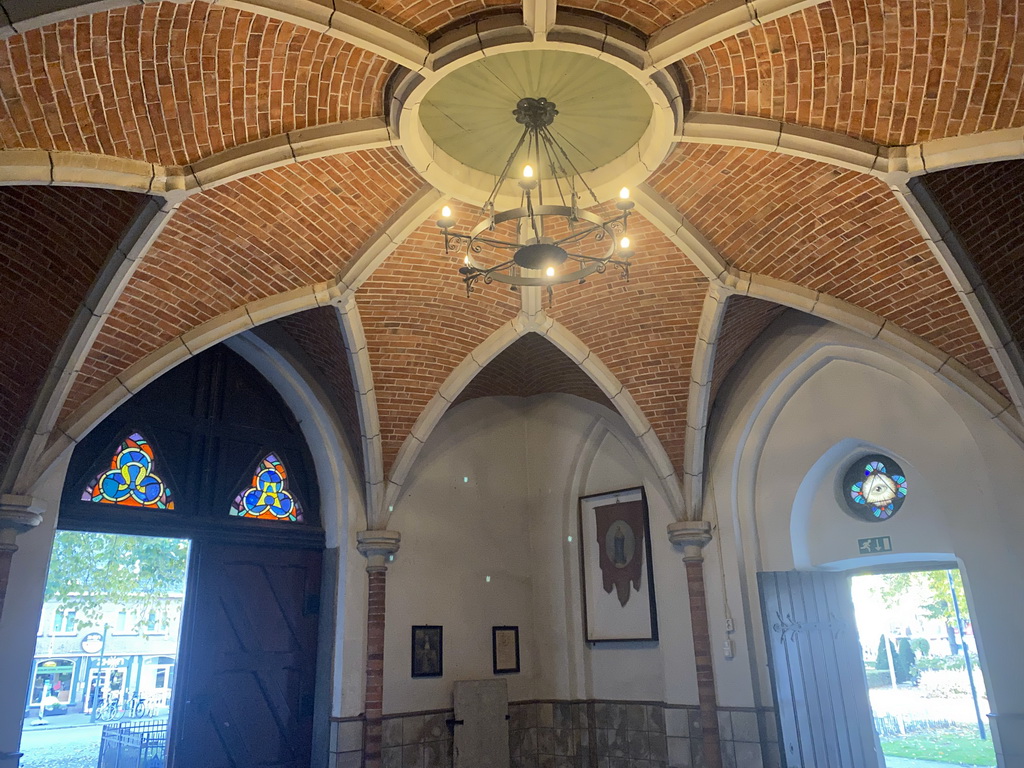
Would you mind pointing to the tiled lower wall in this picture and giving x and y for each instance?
(574, 734)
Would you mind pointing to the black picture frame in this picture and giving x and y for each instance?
(426, 639)
(502, 664)
(590, 575)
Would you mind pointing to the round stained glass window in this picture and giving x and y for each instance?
(874, 488)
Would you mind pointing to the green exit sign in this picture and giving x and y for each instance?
(874, 544)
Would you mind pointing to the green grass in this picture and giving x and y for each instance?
(952, 747)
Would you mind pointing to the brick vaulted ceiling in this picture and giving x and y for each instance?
(177, 83)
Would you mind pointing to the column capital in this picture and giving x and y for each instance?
(17, 514)
(691, 536)
(376, 546)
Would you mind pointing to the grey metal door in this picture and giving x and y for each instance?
(817, 671)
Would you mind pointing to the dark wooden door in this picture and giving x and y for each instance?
(817, 671)
(246, 693)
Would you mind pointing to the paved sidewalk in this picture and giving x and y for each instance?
(57, 721)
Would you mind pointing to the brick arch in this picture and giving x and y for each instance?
(985, 205)
(244, 241)
(826, 229)
(54, 242)
(419, 325)
(531, 366)
(647, 16)
(530, 330)
(643, 329)
(172, 83)
(428, 17)
(893, 74)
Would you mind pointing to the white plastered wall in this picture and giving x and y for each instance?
(805, 401)
(527, 461)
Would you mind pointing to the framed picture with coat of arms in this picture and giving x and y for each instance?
(616, 571)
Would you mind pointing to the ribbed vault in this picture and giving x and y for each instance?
(175, 83)
(530, 366)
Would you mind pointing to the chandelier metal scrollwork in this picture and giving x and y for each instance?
(548, 235)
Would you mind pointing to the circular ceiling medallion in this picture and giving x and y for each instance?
(874, 488)
(602, 111)
(458, 129)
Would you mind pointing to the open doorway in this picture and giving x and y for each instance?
(106, 652)
(925, 686)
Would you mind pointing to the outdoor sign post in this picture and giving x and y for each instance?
(99, 675)
(967, 655)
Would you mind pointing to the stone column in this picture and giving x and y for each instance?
(376, 547)
(17, 515)
(691, 536)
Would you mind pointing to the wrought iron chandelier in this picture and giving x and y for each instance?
(545, 250)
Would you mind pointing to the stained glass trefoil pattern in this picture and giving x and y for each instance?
(131, 479)
(268, 497)
(875, 488)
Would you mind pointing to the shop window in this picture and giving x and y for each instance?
(52, 681)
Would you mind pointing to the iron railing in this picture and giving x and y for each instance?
(139, 744)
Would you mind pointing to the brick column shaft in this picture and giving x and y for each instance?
(378, 547)
(706, 695)
(374, 702)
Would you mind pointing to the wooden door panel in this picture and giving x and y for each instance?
(817, 671)
(248, 689)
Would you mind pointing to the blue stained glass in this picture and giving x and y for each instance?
(268, 497)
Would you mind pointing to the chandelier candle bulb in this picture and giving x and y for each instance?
(624, 243)
(551, 271)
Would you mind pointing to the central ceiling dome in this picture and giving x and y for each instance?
(602, 111)
(457, 128)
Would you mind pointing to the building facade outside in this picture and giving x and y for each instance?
(76, 669)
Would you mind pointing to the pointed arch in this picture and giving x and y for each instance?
(490, 348)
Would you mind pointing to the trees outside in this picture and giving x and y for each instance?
(89, 571)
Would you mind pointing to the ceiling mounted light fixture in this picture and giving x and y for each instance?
(545, 239)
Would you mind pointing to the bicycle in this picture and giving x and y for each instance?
(110, 711)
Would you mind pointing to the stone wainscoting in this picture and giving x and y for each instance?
(574, 734)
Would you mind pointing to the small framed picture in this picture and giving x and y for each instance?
(615, 560)
(427, 651)
(505, 643)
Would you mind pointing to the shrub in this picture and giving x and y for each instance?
(921, 646)
(941, 663)
(878, 678)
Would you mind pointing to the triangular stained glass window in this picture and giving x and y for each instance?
(131, 480)
(268, 497)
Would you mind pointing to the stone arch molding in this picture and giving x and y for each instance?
(918, 353)
(576, 351)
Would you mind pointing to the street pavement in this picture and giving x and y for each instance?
(68, 747)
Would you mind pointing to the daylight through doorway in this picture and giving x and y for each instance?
(106, 652)
(920, 659)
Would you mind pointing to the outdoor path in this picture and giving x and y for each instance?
(909, 762)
